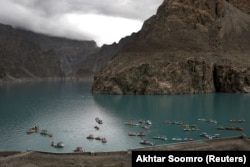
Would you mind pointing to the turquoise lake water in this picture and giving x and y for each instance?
(68, 110)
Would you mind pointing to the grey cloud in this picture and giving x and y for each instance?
(45, 16)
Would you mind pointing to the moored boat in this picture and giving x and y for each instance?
(59, 145)
(104, 140)
(188, 138)
(98, 120)
(34, 129)
(160, 137)
(132, 134)
(177, 139)
(141, 134)
(147, 142)
(78, 149)
(239, 128)
(220, 128)
(90, 136)
(148, 122)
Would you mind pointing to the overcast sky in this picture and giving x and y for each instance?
(105, 21)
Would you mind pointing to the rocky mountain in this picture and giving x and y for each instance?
(70, 52)
(97, 60)
(28, 55)
(20, 58)
(188, 46)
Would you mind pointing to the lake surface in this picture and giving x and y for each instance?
(68, 110)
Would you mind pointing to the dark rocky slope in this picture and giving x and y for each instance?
(27, 55)
(70, 52)
(20, 58)
(189, 46)
(94, 62)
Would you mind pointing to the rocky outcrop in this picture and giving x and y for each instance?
(189, 46)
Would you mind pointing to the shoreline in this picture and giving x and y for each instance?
(38, 79)
(118, 158)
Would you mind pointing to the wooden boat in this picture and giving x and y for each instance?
(239, 128)
(78, 149)
(104, 140)
(97, 127)
(90, 136)
(141, 134)
(132, 134)
(33, 130)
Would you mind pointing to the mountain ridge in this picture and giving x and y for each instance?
(188, 46)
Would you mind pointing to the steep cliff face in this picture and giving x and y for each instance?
(94, 62)
(70, 52)
(20, 58)
(24, 54)
(189, 46)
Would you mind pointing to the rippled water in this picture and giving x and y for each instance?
(68, 110)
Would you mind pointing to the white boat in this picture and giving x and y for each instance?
(160, 137)
(146, 142)
(148, 122)
(145, 127)
(177, 139)
(59, 145)
(188, 138)
(204, 134)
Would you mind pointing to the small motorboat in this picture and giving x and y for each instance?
(145, 127)
(59, 145)
(98, 120)
(188, 138)
(146, 142)
(177, 139)
(141, 121)
(148, 122)
(230, 128)
(239, 128)
(215, 136)
(34, 129)
(160, 137)
(141, 134)
(97, 127)
(44, 132)
(204, 134)
(132, 134)
(104, 140)
(98, 138)
(168, 122)
(90, 136)
(78, 149)
(220, 128)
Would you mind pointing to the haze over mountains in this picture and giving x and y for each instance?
(188, 46)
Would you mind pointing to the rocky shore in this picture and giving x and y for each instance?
(115, 159)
